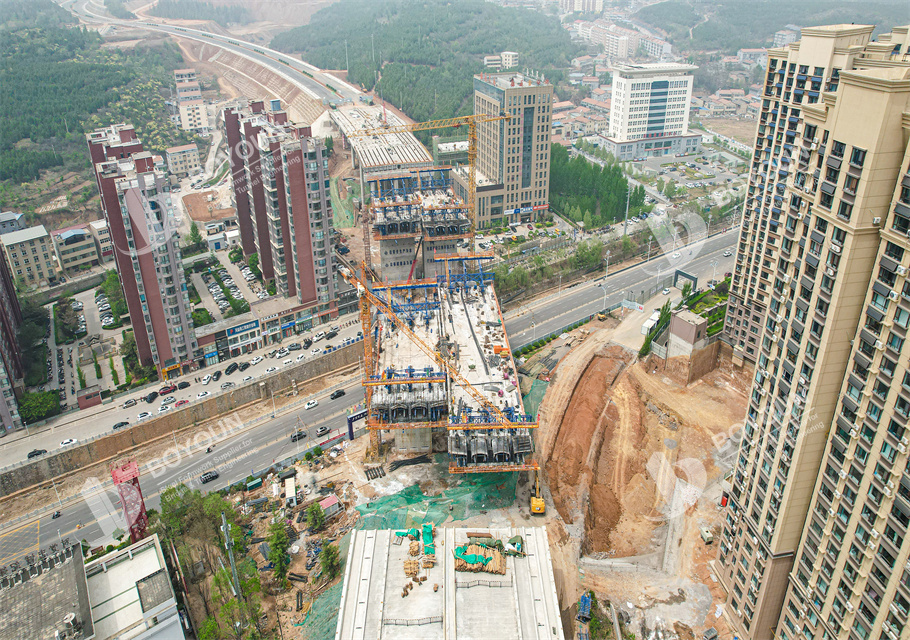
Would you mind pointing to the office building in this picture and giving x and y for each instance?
(183, 160)
(11, 221)
(75, 248)
(30, 256)
(513, 157)
(813, 542)
(285, 182)
(136, 200)
(649, 111)
(102, 237)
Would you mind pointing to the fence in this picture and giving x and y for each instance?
(405, 622)
(586, 318)
(483, 583)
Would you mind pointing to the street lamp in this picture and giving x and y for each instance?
(714, 273)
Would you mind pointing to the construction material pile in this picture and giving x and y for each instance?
(476, 558)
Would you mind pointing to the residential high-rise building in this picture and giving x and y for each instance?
(11, 365)
(287, 214)
(136, 200)
(649, 111)
(814, 539)
(513, 157)
(581, 6)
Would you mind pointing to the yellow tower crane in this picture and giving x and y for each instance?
(469, 121)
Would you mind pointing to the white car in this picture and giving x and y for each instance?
(163, 408)
(256, 360)
(300, 357)
(68, 442)
(316, 350)
(202, 394)
(271, 370)
(728, 253)
(169, 400)
(247, 379)
(311, 404)
(676, 256)
(666, 291)
(144, 415)
(288, 361)
(319, 336)
(206, 379)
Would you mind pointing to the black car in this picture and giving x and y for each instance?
(307, 343)
(150, 398)
(298, 435)
(208, 476)
(337, 394)
(120, 425)
(216, 376)
(330, 335)
(243, 366)
(36, 452)
(183, 385)
(231, 368)
(294, 346)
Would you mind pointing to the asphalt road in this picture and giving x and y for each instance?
(293, 68)
(234, 458)
(533, 321)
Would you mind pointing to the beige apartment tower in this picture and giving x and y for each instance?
(819, 304)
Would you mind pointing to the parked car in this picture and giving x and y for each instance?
(294, 346)
(167, 389)
(256, 360)
(183, 385)
(129, 403)
(163, 408)
(202, 394)
(206, 379)
(181, 403)
(330, 335)
(121, 425)
(169, 400)
(243, 366)
(319, 336)
(231, 368)
(321, 431)
(34, 453)
(227, 385)
(728, 253)
(216, 376)
(298, 435)
(337, 394)
(144, 415)
(151, 397)
(271, 370)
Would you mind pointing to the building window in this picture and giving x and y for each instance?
(858, 157)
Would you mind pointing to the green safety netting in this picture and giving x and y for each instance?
(322, 618)
(470, 558)
(411, 508)
(414, 533)
(534, 397)
(429, 547)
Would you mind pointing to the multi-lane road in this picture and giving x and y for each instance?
(313, 80)
(535, 320)
(234, 458)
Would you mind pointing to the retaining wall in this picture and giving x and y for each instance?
(29, 473)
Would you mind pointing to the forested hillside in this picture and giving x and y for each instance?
(429, 49)
(58, 82)
(195, 10)
(734, 24)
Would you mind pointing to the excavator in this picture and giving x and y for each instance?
(538, 506)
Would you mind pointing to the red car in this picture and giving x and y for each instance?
(167, 389)
(531, 227)
(180, 403)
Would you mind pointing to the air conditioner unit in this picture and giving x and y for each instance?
(813, 146)
(902, 448)
(777, 493)
(835, 248)
(893, 295)
(871, 544)
(765, 373)
(849, 607)
(798, 399)
(904, 440)
(890, 484)
(902, 271)
(799, 216)
(837, 495)
(873, 533)
(785, 458)
(814, 140)
(888, 492)
(780, 317)
(762, 392)
(853, 433)
(876, 221)
(786, 277)
(831, 512)
(842, 474)
(879, 345)
(830, 272)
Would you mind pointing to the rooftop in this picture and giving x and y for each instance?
(36, 608)
(653, 68)
(522, 603)
(8, 216)
(393, 151)
(183, 147)
(32, 233)
(511, 79)
(128, 586)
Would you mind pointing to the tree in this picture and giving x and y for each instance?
(210, 630)
(81, 375)
(329, 145)
(195, 237)
(253, 263)
(278, 548)
(34, 407)
(315, 517)
(670, 190)
(686, 291)
(660, 185)
(330, 561)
